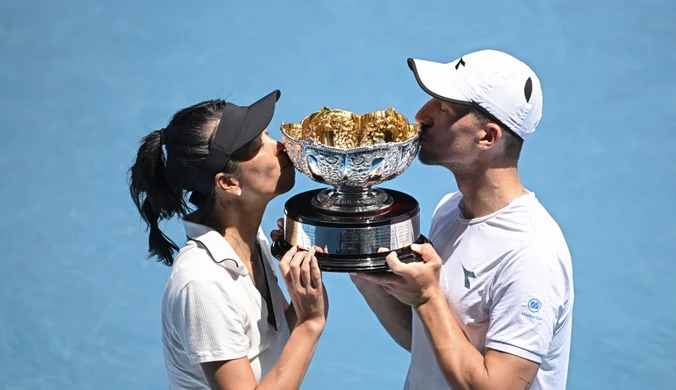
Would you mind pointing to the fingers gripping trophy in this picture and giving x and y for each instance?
(351, 218)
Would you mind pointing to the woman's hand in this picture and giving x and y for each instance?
(279, 233)
(303, 280)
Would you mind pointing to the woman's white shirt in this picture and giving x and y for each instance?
(211, 310)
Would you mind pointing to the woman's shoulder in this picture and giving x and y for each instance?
(194, 265)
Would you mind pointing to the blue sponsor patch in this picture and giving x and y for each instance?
(534, 306)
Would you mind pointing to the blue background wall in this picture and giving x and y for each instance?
(82, 81)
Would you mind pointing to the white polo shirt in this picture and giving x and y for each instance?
(212, 311)
(508, 277)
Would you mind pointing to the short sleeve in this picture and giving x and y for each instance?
(209, 323)
(526, 299)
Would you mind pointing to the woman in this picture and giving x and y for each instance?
(225, 322)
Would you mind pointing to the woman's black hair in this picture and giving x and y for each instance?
(158, 182)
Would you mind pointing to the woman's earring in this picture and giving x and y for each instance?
(239, 192)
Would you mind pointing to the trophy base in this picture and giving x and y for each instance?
(372, 262)
(352, 239)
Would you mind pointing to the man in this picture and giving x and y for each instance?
(490, 304)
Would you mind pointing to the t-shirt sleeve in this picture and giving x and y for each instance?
(526, 299)
(209, 323)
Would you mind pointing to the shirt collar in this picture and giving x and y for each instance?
(216, 246)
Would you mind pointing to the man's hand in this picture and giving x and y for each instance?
(411, 283)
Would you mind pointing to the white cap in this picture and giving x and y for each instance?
(500, 84)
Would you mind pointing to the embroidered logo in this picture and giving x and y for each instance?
(468, 274)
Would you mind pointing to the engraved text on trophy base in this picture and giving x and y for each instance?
(345, 240)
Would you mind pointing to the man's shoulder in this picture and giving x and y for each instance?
(445, 212)
(546, 233)
(448, 202)
(538, 214)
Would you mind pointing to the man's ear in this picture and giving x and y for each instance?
(490, 133)
(227, 183)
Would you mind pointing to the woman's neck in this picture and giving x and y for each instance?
(238, 223)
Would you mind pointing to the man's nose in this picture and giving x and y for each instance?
(423, 116)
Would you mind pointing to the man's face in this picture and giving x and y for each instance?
(450, 135)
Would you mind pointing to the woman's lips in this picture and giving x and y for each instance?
(284, 159)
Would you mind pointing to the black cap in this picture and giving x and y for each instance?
(238, 126)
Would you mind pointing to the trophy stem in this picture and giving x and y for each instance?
(347, 199)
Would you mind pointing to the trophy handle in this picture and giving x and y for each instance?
(406, 254)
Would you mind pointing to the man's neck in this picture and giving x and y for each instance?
(488, 191)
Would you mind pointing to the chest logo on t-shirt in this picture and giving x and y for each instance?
(468, 274)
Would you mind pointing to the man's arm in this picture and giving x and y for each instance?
(515, 341)
(463, 366)
(393, 315)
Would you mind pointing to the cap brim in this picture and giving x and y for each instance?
(438, 80)
(258, 118)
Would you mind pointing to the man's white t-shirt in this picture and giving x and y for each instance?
(508, 278)
(212, 311)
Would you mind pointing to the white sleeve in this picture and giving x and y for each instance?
(526, 299)
(209, 323)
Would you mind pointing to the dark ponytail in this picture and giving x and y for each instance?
(158, 183)
(154, 197)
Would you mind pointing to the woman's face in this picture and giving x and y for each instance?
(269, 172)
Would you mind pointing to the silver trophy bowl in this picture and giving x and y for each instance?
(352, 217)
(352, 154)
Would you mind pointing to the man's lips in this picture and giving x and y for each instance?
(423, 132)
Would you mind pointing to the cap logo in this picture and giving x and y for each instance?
(460, 62)
(528, 89)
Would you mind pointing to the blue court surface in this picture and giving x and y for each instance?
(82, 81)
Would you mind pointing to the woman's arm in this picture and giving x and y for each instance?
(287, 374)
(289, 312)
(303, 279)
